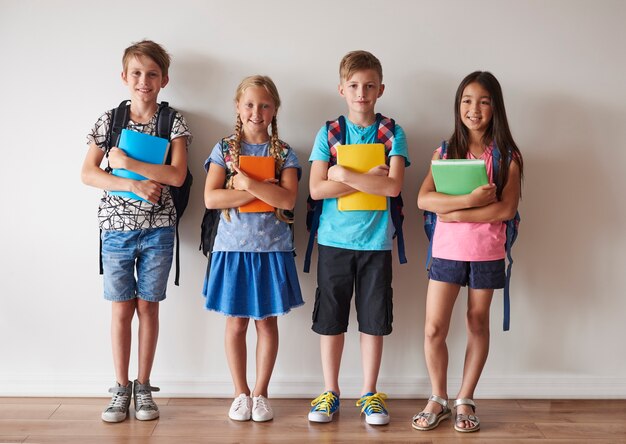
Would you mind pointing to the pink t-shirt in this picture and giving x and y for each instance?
(468, 241)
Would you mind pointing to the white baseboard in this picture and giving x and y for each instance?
(489, 388)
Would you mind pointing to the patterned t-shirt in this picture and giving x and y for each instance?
(252, 232)
(125, 214)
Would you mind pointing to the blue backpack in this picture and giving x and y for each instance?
(512, 227)
(337, 136)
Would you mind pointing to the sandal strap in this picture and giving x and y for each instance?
(440, 401)
(428, 416)
(472, 418)
(465, 401)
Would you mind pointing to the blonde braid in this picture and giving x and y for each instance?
(276, 148)
(276, 151)
(235, 150)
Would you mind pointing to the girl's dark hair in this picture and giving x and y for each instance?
(498, 130)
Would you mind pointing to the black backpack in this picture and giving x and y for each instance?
(164, 124)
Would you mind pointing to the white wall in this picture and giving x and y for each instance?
(563, 71)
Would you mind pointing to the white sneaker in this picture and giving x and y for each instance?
(240, 408)
(261, 410)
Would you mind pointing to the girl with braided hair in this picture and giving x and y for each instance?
(253, 273)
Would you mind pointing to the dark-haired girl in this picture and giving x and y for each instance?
(468, 245)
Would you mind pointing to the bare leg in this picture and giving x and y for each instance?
(236, 352)
(371, 354)
(148, 314)
(266, 352)
(121, 322)
(478, 305)
(331, 348)
(440, 301)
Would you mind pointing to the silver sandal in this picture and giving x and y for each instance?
(432, 419)
(469, 418)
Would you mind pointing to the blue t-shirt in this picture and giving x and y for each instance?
(252, 232)
(356, 230)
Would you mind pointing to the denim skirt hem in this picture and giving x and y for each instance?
(252, 285)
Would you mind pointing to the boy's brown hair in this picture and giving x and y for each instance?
(150, 49)
(358, 61)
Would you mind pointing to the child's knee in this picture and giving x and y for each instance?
(236, 326)
(124, 311)
(477, 323)
(267, 326)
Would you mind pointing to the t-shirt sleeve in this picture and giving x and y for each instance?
(98, 133)
(400, 147)
(291, 161)
(321, 150)
(180, 128)
(216, 156)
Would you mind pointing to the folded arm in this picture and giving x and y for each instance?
(279, 194)
(430, 200)
(380, 180)
(320, 187)
(218, 197)
(499, 211)
(93, 175)
(173, 174)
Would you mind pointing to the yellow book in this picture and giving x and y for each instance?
(361, 158)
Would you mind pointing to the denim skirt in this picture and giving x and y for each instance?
(252, 285)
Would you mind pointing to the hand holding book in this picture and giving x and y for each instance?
(141, 147)
(365, 159)
(261, 168)
(458, 176)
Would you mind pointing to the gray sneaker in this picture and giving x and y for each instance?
(117, 410)
(145, 407)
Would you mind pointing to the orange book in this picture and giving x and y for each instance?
(259, 168)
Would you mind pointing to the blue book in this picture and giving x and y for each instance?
(142, 147)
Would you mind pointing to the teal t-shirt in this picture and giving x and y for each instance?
(356, 230)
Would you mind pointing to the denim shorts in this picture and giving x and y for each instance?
(342, 272)
(478, 275)
(148, 251)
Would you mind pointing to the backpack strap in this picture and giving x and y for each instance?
(315, 211)
(336, 130)
(164, 124)
(385, 134)
(336, 133)
(119, 119)
(430, 218)
(511, 234)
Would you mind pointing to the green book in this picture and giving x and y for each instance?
(459, 176)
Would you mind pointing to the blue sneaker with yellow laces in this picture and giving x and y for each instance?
(324, 407)
(373, 405)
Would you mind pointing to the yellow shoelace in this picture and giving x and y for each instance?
(324, 402)
(373, 403)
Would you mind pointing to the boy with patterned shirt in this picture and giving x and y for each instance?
(136, 233)
(355, 246)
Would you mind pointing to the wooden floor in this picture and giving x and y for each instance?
(192, 421)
